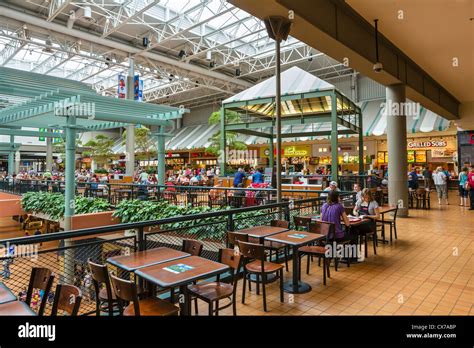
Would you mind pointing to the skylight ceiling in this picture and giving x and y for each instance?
(225, 48)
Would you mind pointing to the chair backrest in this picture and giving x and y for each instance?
(67, 298)
(125, 290)
(100, 275)
(280, 223)
(252, 250)
(41, 279)
(421, 192)
(323, 227)
(232, 259)
(192, 247)
(233, 238)
(302, 221)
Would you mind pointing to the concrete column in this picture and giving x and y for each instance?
(130, 141)
(49, 153)
(161, 155)
(397, 148)
(17, 161)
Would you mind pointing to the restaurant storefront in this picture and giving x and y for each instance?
(425, 151)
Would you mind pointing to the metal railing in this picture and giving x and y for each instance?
(192, 195)
(66, 253)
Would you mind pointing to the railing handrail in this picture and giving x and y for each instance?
(142, 224)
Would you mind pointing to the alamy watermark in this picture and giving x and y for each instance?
(74, 109)
(237, 157)
(10, 251)
(402, 109)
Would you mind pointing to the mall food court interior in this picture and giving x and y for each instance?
(237, 158)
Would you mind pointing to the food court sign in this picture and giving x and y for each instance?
(290, 151)
(427, 144)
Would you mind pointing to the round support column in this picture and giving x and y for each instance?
(397, 148)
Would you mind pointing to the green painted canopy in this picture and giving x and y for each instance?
(45, 101)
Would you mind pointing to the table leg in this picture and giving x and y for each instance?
(296, 286)
(184, 302)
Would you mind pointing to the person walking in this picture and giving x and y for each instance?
(427, 175)
(470, 181)
(441, 184)
(463, 187)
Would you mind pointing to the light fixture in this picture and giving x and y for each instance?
(208, 55)
(310, 56)
(320, 149)
(145, 42)
(237, 72)
(181, 54)
(378, 67)
(49, 45)
(171, 77)
(107, 59)
(212, 64)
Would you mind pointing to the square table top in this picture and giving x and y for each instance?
(146, 258)
(5, 294)
(287, 237)
(388, 209)
(201, 268)
(261, 231)
(16, 308)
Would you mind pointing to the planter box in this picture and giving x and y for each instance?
(10, 205)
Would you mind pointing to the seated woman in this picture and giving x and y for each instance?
(333, 211)
(368, 209)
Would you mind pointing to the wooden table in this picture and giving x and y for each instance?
(5, 294)
(140, 259)
(295, 286)
(16, 308)
(161, 275)
(260, 232)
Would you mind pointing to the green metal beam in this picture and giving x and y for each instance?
(28, 133)
(285, 121)
(254, 133)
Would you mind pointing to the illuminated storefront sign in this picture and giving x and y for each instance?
(426, 144)
(290, 151)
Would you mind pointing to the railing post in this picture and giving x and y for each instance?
(141, 239)
(286, 211)
(230, 222)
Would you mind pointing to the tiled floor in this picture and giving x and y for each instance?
(427, 271)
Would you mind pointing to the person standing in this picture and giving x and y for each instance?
(239, 177)
(470, 181)
(257, 177)
(413, 180)
(463, 187)
(427, 175)
(441, 184)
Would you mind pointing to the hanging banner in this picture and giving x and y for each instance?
(122, 86)
(137, 88)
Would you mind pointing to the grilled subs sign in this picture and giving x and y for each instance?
(426, 144)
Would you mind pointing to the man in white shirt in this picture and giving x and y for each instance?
(441, 183)
(332, 187)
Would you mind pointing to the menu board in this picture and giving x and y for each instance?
(411, 156)
(386, 157)
(420, 156)
(381, 157)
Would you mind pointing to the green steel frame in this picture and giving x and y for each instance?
(343, 121)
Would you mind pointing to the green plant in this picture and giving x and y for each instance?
(99, 149)
(231, 137)
(52, 204)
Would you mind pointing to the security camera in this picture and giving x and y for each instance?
(378, 67)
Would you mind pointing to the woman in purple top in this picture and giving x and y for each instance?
(333, 211)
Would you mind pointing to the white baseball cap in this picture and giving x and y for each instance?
(333, 183)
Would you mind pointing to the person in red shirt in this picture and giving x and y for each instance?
(470, 180)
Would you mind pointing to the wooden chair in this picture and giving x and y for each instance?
(275, 246)
(126, 291)
(302, 222)
(363, 239)
(105, 298)
(233, 238)
(422, 198)
(327, 229)
(192, 247)
(67, 298)
(392, 222)
(215, 291)
(260, 268)
(41, 279)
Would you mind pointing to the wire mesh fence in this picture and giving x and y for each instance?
(67, 258)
